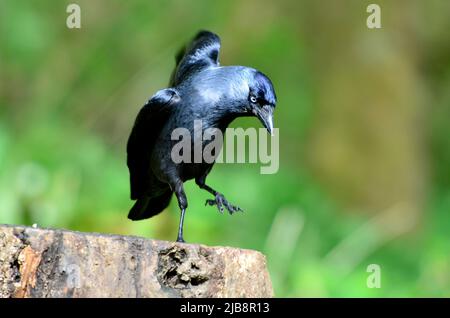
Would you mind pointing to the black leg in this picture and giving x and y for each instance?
(219, 199)
(201, 183)
(182, 203)
(209, 189)
(180, 227)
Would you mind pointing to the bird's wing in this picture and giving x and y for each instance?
(147, 127)
(201, 52)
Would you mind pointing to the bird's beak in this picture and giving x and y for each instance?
(265, 115)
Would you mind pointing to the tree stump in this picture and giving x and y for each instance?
(38, 262)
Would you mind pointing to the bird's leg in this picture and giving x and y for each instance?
(180, 227)
(219, 199)
(182, 203)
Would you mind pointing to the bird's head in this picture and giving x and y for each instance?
(261, 99)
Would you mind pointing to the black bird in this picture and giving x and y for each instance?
(200, 89)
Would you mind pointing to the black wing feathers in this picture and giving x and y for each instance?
(147, 127)
(203, 51)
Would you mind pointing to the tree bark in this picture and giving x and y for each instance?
(58, 263)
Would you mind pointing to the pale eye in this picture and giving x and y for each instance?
(253, 99)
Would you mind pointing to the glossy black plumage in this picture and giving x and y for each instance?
(199, 90)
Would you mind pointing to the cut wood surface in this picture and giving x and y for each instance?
(38, 262)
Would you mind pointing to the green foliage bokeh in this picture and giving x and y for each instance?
(68, 99)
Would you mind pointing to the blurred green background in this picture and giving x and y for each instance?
(364, 132)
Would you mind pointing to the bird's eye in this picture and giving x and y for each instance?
(253, 99)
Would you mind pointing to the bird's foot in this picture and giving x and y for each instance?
(222, 203)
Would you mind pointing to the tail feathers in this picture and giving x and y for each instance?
(146, 207)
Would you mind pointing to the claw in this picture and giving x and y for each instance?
(220, 202)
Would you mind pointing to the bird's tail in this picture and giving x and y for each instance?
(146, 207)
